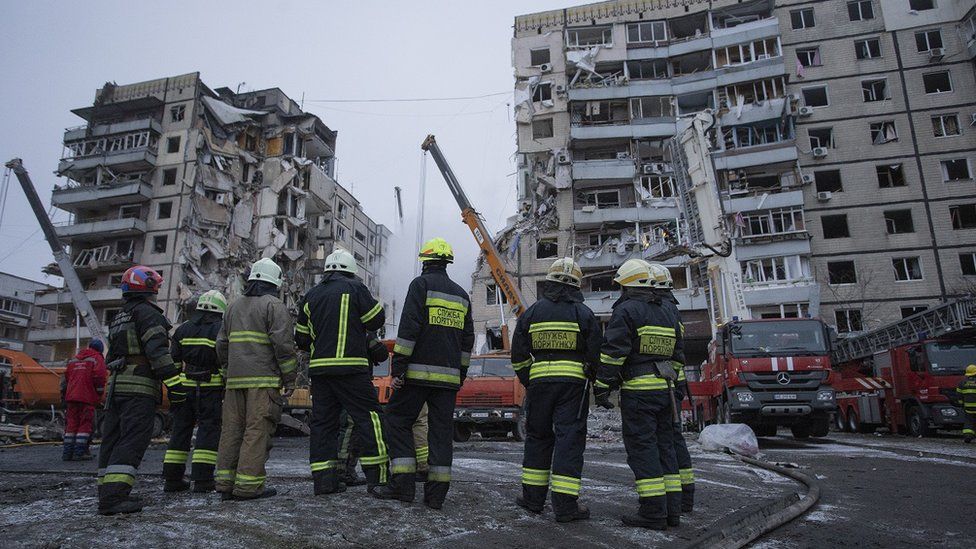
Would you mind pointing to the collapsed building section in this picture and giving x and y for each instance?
(199, 183)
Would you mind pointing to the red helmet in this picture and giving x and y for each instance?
(141, 279)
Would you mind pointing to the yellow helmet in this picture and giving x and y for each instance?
(635, 273)
(971, 370)
(436, 249)
(661, 276)
(565, 271)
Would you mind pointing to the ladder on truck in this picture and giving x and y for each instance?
(943, 319)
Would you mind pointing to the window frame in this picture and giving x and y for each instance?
(901, 170)
(945, 172)
(652, 24)
(869, 90)
(826, 93)
(848, 326)
(853, 280)
(157, 238)
(810, 54)
(833, 218)
(802, 12)
(159, 209)
(939, 125)
(551, 126)
(954, 215)
(548, 56)
(891, 224)
(859, 5)
(948, 75)
(178, 139)
(867, 42)
(928, 42)
(907, 269)
(881, 126)
(963, 267)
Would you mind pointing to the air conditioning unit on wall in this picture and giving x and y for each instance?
(819, 152)
(563, 158)
(805, 111)
(806, 178)
(936, 54)
(824, 196)
(546, 67)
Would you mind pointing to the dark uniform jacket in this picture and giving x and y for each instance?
(195, 344)
(557, 338)
(333, 324)
(436, 334)
(139, 334)
(967, 394)
(670, 304)
(640, 334)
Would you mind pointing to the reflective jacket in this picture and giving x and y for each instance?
(195, 345)
(557, 338)
(333, 323)
(640, 334)
(967, 394)
(256, 343)
(436, 334)
(139, 335)
(84, 377)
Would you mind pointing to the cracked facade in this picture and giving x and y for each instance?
(198, 184)
(827, 116)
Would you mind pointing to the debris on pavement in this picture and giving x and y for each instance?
(736, 437)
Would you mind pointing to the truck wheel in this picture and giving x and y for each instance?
(917, 426)
(462, 433)
(840, 424)
(820, 427)
(801, 430)
(518, 433)
(724, 411)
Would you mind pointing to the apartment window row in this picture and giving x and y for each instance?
(15, 307)
(772, 222)
(891, 175)
(896, 222)
(775, 269)
(876, 89)
(905, 269)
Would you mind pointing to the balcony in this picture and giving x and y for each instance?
(135, 159)
(651, 127)
(771, 153)
(753, 112)
(61, 298)
(798, 244)
(322, 189)
(585, 219)
(80, 133)
(764, 201)
(799, 291)
(101, 228)
(51, 335)
(604, 169)
(91, 196)
(746, 32)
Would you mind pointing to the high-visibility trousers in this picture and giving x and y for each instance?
(684, 457)
(248, 421)
(202, 411)
(648, 432)
(401, 414)
(126, 433)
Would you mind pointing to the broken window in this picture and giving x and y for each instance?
(539, 57)
(926, 40)
(956, 169)
(691, 63)
(945, 125)
(657, 186)
(359, 258)
(173, 144)
(546, 248)
(867, 49)
(492, 294)
(130, 211)
(601, 283)
(963, 216)
(907, 268)
(828, 180)
(169, 176)
(773, 222)
(764, 133)
(177, 113)
(937, 82)
(695, 102)
(890, 175)
(821, 137)
(159, 243)
(542, 129)
(802, 19)
(874, 90)
(542, 92)
(899, 221)
(651, 107)
(601, 199)
(883, 132)
(912, 310)
(754, 92)
(360, 237)
(647, 69)
(835, 226)
(739, 54)
(815, 97)
(341, 210)
(164, 210)
(848, 320)
(340, 233)
(860, 10)
(124, 248)
(809, 57)
(841, 272)
(774, 269)
(967, 262)
(586, 37)
(921, 5)
(649, 31)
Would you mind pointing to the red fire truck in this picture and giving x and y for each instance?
(903, 376)
(766, 374)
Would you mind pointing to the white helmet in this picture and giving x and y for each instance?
(266, 270)
(341, 261)
(661, 276)
(565, 271)
(634, 273)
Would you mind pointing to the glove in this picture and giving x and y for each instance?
(176, 393)
(601, 396)
(396, 382)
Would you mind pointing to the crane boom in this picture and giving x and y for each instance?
(77, 292)
(473, 221)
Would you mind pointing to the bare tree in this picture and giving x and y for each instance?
(859, 293)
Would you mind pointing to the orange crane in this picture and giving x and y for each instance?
(471, 218)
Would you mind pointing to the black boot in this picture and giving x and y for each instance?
(327, 482)
(350, 477)
(580, 513)
(528, 506)
(643, 522)
(387, 492)
(120, 507)
(203, 486)
(176, 485)
(687, 499)
(68, 452)
(266, 493)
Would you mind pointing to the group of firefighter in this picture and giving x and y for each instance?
(230, 368)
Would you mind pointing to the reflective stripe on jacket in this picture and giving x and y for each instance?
(139, 333)
(256, 343)
(195, 345)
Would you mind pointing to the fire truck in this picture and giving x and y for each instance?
(903, 376)
(768, 373)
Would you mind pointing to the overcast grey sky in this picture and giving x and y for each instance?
(56, 54)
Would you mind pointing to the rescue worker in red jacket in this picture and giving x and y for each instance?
(81, 389)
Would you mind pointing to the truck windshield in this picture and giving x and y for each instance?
(950, 359)
(791, 337)
(496, 367)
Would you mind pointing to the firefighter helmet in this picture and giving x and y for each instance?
(141, 279)
(661, 276)
(634, 273)
(971, 370)
(436, 249)
(266, 270)
(341, 261)
(565, 271)
(212, 301)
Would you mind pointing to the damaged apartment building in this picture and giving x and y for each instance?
(198, 184)
(841, 148)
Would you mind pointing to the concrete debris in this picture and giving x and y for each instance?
(228, 115)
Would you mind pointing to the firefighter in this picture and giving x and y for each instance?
(138, 353)
(195, 345)
(256, 348)
(967, 393)
(334, 321)
(81, 389)
(555, 349)
(430, 362)
(664, 286)
(639, 344)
